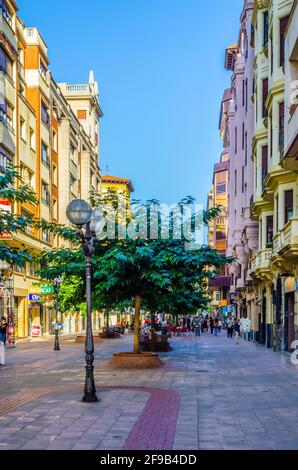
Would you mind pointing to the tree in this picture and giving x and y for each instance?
(14, 191)
(152, 272)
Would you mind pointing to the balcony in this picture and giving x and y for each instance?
(259, 265)
(7, 87)
(7, 135)
(6, 28)
(285, 242)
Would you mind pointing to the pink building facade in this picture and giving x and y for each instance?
(237, 131)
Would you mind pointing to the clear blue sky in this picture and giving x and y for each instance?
(160, 69)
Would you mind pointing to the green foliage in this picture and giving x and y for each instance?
(163, 273)
(13, 189)
(70, 294)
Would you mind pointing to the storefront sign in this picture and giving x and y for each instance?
(5, 206)
(41, 290)
(34, 290)
(290, 285)
(34, 297)
(223, 303)
(35, 330)
(46, 290)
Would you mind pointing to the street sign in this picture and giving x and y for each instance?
(34, 297)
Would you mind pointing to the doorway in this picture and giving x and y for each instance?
(289, 331)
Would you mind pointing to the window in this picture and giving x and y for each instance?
(55, 209)
(45, 114)
(288, 205)
(5, 159)
(283, 23)
(6, 114)
(271, 137)
(221, 188)
(246, 95)
(45, 154)
(45, 236)
(264, 97)
(23, 129)
(82, 114)
(55, 175)
(242, 180)
(54, 141)
(4, 11)
(265, 28)
(236, 138)
(243, 132)
(32, 139)
(277, 212)
(272, 56)
(30, 177)
(6, 63)
(235, 182)
(43, 70)
(220, 235)
(264, 165)
(45, 193)
(72, 184)
(245, 148)
(28, 228)
(243, 93)
(269, 231)
(73, 154)
(281, 134)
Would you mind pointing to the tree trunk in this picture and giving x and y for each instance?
(153, 326)
(137, 324)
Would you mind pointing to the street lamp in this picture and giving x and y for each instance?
(57, 283)
(80, 213)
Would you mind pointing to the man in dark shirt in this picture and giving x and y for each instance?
(3, 329)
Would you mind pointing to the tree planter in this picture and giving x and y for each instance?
(109, 335)
(127, 360)
(82, 339)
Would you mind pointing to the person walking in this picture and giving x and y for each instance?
(3, 330)
(230, 328)
(197, 325)
(205, 325)
(237, 331)
(215, 325)
(211, 324)
(219, 325)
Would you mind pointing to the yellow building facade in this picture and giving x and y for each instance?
(51, 131)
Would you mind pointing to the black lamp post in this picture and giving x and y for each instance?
(80, 213)
(57, 283)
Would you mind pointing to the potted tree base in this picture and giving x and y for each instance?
(130, 360)
(82, 339)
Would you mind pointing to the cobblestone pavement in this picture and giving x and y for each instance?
(211, 394)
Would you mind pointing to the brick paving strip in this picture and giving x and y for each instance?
(154, 430)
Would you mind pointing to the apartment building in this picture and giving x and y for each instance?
(237, 125)
(218, 196)
(274, 203)
(51, 132)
